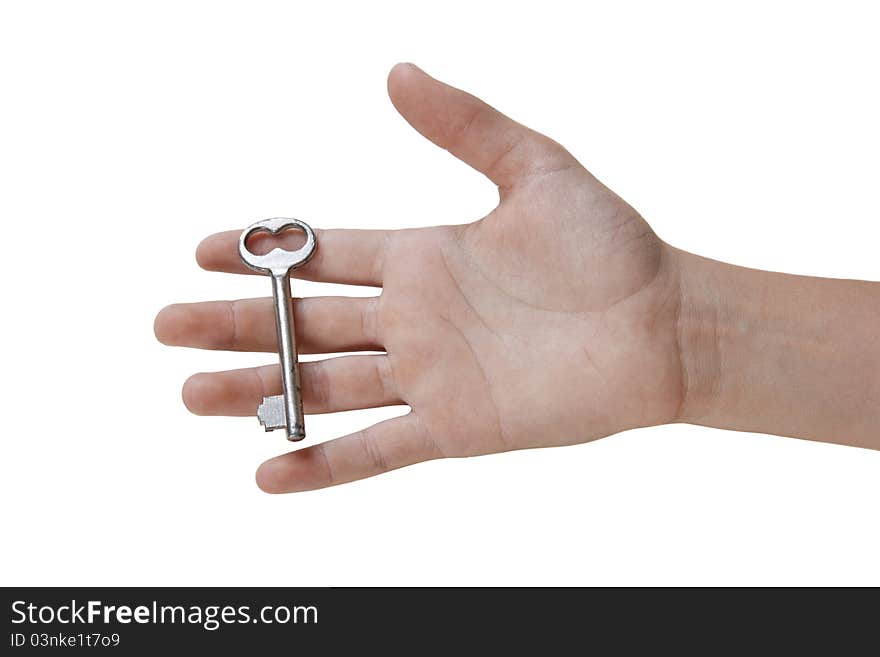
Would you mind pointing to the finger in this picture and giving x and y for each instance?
(323, 325)
(336, 384)
(386, 446)
(351, 257)
(474, 132)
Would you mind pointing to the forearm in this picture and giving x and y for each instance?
(775, 353)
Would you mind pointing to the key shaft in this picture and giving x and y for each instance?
(285, 327)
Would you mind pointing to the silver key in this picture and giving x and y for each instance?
(281, 411)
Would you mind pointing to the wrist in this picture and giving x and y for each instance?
(698, 327)
(777, 353)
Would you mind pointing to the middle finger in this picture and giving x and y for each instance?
(323, 325)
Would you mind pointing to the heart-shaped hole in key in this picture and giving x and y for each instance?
(262, 240)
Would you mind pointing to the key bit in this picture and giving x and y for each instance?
(282, 411)
(271, 413)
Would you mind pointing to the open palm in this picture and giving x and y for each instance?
(550, 321)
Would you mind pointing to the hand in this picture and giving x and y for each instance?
(550, 321)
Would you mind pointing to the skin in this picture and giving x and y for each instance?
(558, 318)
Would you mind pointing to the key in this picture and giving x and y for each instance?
(281, 411)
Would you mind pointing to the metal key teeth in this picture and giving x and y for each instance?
(272, 416)
(271, 413)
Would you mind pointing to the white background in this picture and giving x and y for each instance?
(128, 131)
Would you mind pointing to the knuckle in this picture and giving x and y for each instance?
(263, 381)
(370, 319)
(319, 384)
(385, 378)
(233, 308)
(373, 451)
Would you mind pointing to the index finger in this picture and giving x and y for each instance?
(351, 257)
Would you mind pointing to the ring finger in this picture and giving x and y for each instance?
(328, 386)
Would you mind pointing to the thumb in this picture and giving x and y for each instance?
(505, 151)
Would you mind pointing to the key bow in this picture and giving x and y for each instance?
(278, 261)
